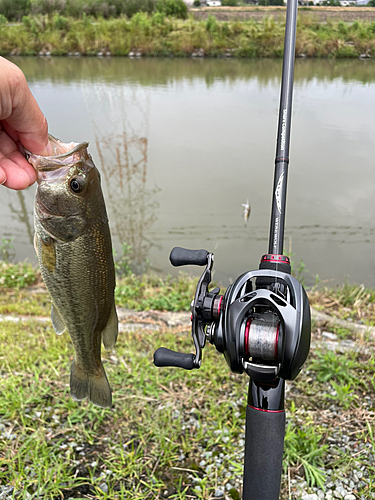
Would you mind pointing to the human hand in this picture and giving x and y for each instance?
(21, 123)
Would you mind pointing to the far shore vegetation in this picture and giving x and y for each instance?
(165, 28)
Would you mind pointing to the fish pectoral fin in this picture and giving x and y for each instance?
(110, 332)
(48, 256)
(57, 321)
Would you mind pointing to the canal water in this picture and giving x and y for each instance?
(182, 144)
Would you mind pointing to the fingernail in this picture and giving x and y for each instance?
(4, 181)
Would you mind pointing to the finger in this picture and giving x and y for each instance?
(25, 116)
(16, 172)
(3, 176)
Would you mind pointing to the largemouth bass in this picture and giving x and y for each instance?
(73, 244)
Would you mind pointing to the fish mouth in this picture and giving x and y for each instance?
(65, 154)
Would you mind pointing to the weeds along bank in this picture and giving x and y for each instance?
(22, 292)
(160, 35)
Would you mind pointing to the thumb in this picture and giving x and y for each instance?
(25, 118)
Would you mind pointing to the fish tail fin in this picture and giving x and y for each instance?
(94, 387)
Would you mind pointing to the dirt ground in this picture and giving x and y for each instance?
(348, 14)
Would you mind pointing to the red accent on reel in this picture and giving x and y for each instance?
(247, 328)
(219, 306)
(275, 258)
(267, 411)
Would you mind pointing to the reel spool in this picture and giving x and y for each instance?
(261, 338)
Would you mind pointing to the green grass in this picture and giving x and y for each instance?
(17, 275)
(152, 292)
(132, 292)
(155, 419)
(160, 35)
(169, 430)
(303, 447)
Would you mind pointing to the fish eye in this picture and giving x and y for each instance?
(76, 185)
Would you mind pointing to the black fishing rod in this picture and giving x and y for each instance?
(262, 323)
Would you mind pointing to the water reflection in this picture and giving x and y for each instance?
(120, 121)
(22, 215)
(151, 72)
(203, 131)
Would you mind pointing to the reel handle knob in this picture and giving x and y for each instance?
(185, 257)
(166, 357)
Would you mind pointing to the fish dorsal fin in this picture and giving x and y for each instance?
(57, 321)
(110, 332)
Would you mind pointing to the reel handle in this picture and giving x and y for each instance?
(167, 357)
(185, 257)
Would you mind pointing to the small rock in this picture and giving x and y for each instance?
(308, 496)
(337, 494)
(329, 335)
(219, 493)
(347, 344)
(349, 497)
(104, 488)
(9, 435)
(4, 494)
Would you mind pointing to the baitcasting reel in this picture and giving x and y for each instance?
(261, 324)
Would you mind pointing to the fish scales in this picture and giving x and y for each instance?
(74, 250)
